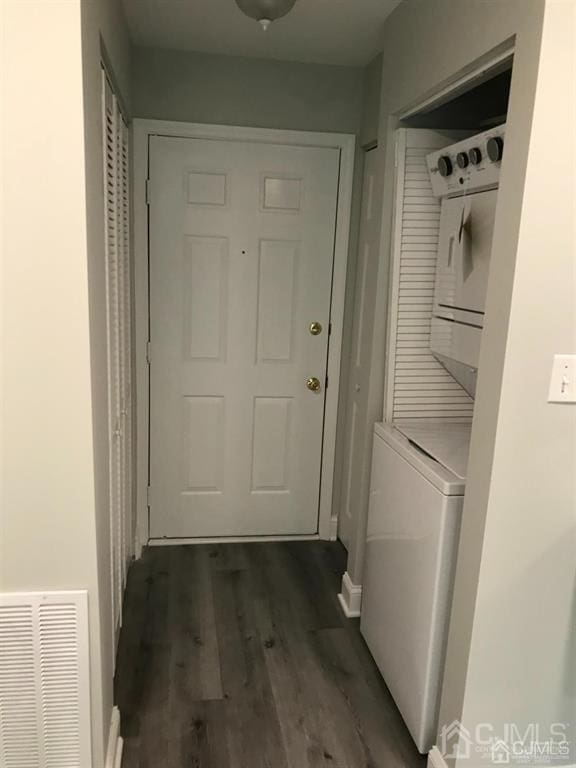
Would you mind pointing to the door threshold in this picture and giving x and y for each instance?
(167, 542)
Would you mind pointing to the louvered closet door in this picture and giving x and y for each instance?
(113, 231)
(116, 171)
(124, 330)
(126, 401)
(417, 386)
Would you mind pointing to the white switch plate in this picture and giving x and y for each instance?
(563, 381)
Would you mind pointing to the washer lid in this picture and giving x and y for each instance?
(437, 474)
(448, 443)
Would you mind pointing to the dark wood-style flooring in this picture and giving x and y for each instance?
(238, 656)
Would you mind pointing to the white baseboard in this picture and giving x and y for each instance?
(333, 529)
(436, 759)
(138, 547)
(229, 540)
(332, 536)
(350, 597)
(115, 743)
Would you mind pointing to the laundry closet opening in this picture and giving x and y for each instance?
(449, 157)
(482, 105)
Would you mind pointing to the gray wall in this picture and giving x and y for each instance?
(510, 654)
(205, 88)
(371, 102)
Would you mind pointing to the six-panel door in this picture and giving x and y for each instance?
(241, 255)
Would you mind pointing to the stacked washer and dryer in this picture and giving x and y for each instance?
(419, 466)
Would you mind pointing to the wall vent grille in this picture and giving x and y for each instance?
(44, 680)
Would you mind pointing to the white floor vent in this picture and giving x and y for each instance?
(44, 680)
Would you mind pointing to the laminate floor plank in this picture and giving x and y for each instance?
(228, 557)
(200, 739)
(238, 656)
(253, 730)
(297, 707)
(130, 657)
(313, 722)
(131, 752)
(295, 585)
(376, 720)
(195, 659)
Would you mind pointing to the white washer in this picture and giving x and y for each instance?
(416, 499)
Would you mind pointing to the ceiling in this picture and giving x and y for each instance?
(345, 32)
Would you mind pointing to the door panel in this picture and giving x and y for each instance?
(464, 249)
(364, 303)
(241, 254)
(277, 282)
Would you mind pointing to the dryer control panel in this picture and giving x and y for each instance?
(472, 164)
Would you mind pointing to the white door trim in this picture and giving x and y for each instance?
(345, 143)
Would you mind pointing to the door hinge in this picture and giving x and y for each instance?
(329, 329)
(148, 192)
(148, 495)
(326, 383)
(148, 353)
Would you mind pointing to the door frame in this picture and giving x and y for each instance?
(142, 130)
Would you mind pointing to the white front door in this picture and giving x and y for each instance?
(241, 255)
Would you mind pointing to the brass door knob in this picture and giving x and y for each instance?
(315, 329)
(313, 383)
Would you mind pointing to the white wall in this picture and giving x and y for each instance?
(54, 530)
(48, 496)
(506, 658)
(522, 659)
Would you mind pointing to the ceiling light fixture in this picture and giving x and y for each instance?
(265, 11)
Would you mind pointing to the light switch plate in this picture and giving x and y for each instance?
(563, 381)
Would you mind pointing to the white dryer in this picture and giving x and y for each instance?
(466, 176)
(416, 499)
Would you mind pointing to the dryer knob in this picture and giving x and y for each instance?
(495, 148)
(444, 165)
(475, 155)
(462, 160)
